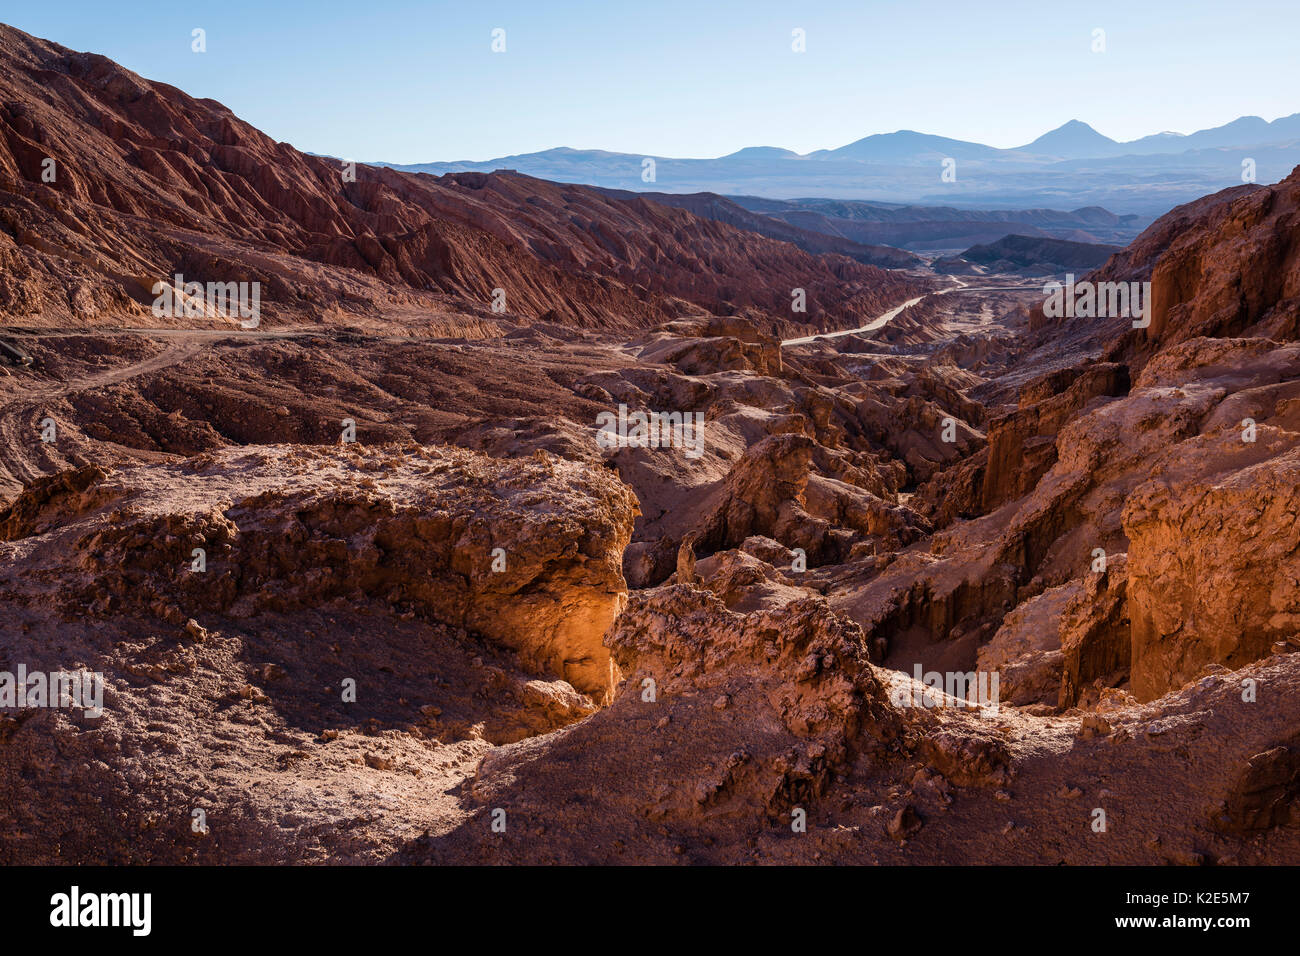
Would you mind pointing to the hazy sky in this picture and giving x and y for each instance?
(408, 81)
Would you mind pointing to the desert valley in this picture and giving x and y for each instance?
(523, 521)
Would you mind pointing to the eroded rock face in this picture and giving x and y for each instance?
(1096, 635)
(744, 717)
(765, 489)
(921, 432)
(1022, 443)
(339, 642)
(1026, 650)
(810, 664)
(748, 583)
(968, 759)
(50, 501)
(1124, 465)
(526, 553)
(1235, 273)
(773, 492)
(1214, 560)
(714, 344)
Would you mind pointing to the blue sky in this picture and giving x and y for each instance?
(412, 82)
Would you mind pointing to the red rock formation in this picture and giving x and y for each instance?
(1022, 443)
(1095, 633)
(1214, 559)
(184, 186)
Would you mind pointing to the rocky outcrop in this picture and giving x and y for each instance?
(759, 575)
(1214, 559)
(1266, 794)
(715, 344)
(1095, 635)
(1022, 443)
(1025, 652)
(53, 500)
(764, 492)
(276, 639)
(1229, 272)
(446, 534)
(746, 718)
(1223, 266)
(923, 434)
(772, 492)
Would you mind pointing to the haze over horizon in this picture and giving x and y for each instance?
(1070, 127)
(415, 83)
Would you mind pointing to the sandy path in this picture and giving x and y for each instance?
(885, 318)
(23, 456)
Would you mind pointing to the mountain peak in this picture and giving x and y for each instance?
(762, 152)
(1074, 139)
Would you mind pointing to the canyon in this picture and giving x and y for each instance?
(366, 586)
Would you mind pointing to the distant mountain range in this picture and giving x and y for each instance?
(931, 228)
(877, 233)
(1078, 140)
(1071, 166)
(1028, 256)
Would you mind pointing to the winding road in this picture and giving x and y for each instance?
(885, 318)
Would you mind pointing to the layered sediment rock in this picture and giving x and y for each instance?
(1214, 559)
(1022, 443)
